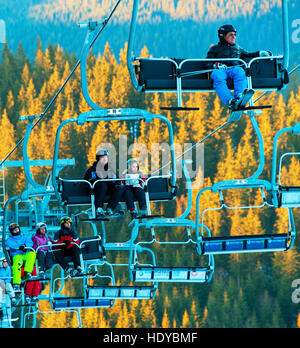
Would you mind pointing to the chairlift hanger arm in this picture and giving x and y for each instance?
(43, 114)
(90, 40)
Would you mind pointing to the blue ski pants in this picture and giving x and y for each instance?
(220, 77)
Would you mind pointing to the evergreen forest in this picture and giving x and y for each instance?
(247, 290)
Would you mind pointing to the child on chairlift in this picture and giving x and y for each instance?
(134, 181)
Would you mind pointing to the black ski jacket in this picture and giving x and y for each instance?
(225, 50)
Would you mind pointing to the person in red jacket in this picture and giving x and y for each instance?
(32, 288)
(68, 242)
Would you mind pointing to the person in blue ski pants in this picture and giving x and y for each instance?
(220, 77)
(229, 69)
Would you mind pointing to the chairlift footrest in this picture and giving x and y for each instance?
(172, 274)
(80, 302)
(80, 275)
(138, 217)
(244, 244)
(178, 108)
(122, 292)
(254, 108)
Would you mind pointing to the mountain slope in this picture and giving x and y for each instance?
(182, 28)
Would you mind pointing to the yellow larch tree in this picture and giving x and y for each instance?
(185, 320)
(132, 313)
(211, 219)
(123, 320)
(226, 167)
(103, 72)
(165, 323)
(279, 113)
(121, 86)
(99, 136)
(147, 314)
(215, 118)
(7, 135)
(246, 161)
(195, 316)
(10, 108)
(196, 120)
(293, 103)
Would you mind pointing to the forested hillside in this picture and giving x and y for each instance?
(173, 28)
(247, 290)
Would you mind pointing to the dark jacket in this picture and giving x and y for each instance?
(66, 236)
(97, 171)
(225, 50)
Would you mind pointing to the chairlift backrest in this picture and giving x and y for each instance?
(76, 191)
(163, 74)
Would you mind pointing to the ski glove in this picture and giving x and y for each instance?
(219, 66)
(265, 53)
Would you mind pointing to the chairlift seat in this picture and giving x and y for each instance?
(80, 302)
(91, 248)
(159, 189)
(172, 274)
(122, 292)
(157, 74)
(289, 196)
(267, 73)
(244, 244)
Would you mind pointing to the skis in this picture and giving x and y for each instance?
(240, 107)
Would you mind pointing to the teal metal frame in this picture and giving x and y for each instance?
(290, 195)
(153, 272)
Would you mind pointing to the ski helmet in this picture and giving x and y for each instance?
(65, 219)
(13, 226)
(224, 29)
(39, 226)
(101, 153)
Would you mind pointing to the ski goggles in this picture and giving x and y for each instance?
(13, 225)
(65, 219)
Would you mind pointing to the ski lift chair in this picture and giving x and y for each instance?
(254, 243)
(121, 292)
(284, 196)
(79, 192)
(192, 75)
(91, 254)
(150, 271)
